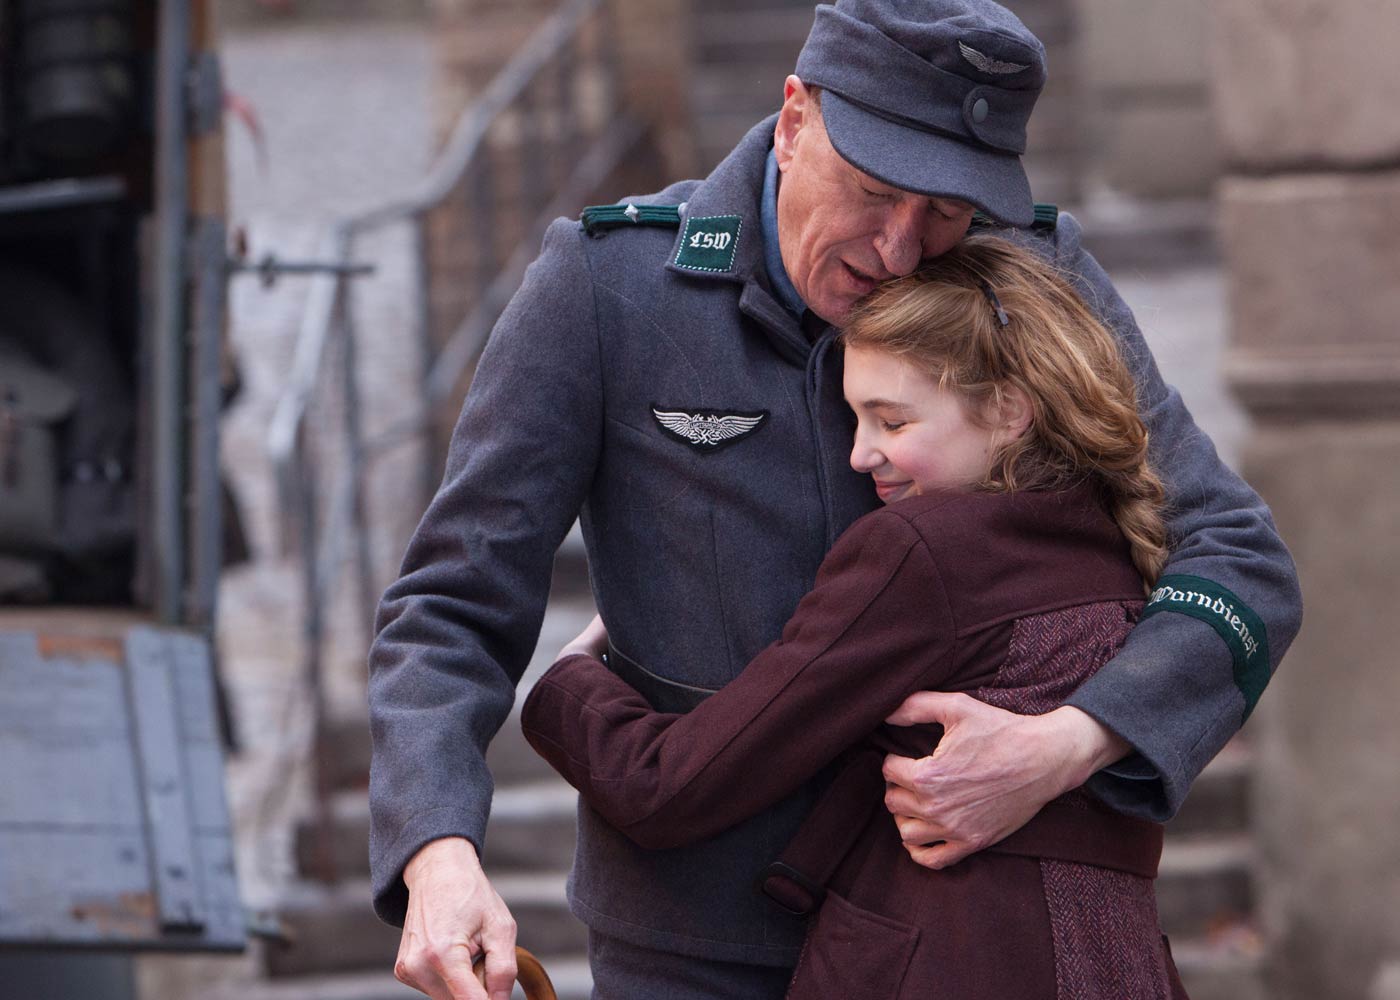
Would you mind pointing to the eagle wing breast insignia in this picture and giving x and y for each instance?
(707, 430)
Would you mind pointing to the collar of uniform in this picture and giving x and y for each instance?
(734, 188)
(783, 287)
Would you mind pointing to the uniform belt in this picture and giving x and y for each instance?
(1078, 831)
(662, 693)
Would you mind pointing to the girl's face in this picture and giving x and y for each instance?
(913, 436)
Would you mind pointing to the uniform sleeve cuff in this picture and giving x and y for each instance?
(390, 892)
(1134, 767)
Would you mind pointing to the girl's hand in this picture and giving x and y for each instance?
(592, 641)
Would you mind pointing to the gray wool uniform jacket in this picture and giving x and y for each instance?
(699, 554)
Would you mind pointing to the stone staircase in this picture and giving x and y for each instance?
(337, 949)
(529, 847)
(1205, 887)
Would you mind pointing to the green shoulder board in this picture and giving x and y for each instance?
(598, 219)
(1047, 217)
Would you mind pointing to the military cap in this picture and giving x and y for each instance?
(931, 96)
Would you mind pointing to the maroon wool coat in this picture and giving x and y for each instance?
(1012, 598)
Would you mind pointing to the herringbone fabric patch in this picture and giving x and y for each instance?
(1104, 925)
(1103, 922)
(1052, 654)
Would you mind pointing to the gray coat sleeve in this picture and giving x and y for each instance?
(456, 630)
(1174, 691)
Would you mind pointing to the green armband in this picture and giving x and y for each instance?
(1237, 624)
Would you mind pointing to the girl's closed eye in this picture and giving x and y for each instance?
(915, 435)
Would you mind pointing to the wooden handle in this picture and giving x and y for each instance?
(529, 973)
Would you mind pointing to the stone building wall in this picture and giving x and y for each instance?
(1306, 94)
(1148, 123)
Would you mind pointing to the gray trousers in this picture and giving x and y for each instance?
(623, 971)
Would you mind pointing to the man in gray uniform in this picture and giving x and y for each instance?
(667, 369)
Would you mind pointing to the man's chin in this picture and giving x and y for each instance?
(837, 310)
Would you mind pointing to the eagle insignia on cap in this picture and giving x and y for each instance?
(708, 430)
(987, 64)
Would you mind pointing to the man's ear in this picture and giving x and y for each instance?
(796, 112)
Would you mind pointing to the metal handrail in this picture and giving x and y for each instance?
(457, 157)
(328, 321)
(472, 127)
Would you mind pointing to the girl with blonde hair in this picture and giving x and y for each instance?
(1022, 526)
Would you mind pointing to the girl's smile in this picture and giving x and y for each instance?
(914, 436)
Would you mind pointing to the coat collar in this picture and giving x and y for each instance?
(734, 189)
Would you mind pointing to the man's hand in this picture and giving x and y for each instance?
(454, 914)
(991, 772)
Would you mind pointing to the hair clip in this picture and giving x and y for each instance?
(995, 302)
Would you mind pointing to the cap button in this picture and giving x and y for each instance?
(979, 110)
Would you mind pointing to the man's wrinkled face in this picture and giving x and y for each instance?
(841, 231)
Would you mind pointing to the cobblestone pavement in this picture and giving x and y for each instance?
(345, 107)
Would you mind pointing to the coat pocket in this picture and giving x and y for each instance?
(852, 954)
